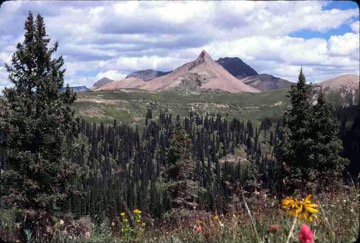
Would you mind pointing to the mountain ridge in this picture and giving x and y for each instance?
(147, 74)
(236, 67)
(101, 82)
(81, 88)
(201, 74)
(266, 82)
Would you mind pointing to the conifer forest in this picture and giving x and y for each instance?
(170, 178)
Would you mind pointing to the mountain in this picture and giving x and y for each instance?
(76, 88)
(101, 82)
(236, 67)
(346, 81)
(201, 74)
(249, 76)
(265, 82)
(344, 87)
(147, 74)
(127, 83)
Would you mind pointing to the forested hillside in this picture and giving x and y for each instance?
(202, 176)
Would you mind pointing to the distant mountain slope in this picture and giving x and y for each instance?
(201, 74)
(348, 81)
(147, 74)
(101, 82)
(76, 88)
(236, 67)
(344, 87)
(249, 76)
(127, 83)
(265, 82)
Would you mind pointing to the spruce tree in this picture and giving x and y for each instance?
(182, 185)
(292, 150)
(326, 144)
(308, 147)
(36, 126)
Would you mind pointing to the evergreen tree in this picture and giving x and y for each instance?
(308, 144)
(326, 144)
(36, 125)
(182, 186)
(292, 150)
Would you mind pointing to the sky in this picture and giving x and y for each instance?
(112, 39)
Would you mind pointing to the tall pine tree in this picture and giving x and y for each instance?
(309, 147)
(326, 145)
(36, 126)
(182, 185)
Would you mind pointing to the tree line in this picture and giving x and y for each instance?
(55, 163)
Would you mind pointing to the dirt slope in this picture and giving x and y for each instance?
(203, 73)
(127, 83)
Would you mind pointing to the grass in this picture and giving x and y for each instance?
(338, 221)
(132, 106)
(105, 106)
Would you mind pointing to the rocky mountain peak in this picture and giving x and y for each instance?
(203, 57)
(236, 67)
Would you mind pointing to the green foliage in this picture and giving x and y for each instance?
(326, 144)
(182, 186)
(131, 226)
(180, 152)
(101, 233)
(8, 225)
(37, 127)
(132, 106)
(309, 146)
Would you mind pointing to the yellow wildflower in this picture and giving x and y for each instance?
(122, 214)
(216, 217)
(304, 210)
(234, 216)
(143, 225)
(137, 211)
(138, 221)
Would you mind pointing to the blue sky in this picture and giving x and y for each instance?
(112, 39)
(309, 34)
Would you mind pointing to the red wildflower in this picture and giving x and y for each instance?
(306, 235)
(198, 228)
(274, 228)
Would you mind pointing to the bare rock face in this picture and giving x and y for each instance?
(201, 74)
(147, 75)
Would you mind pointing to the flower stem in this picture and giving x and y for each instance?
(291, 230)
(251, 217)
(327, 221)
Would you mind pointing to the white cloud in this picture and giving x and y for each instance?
(355, 27)
(111, 74)
(116, 38)
(283, 56)
(344, 45)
